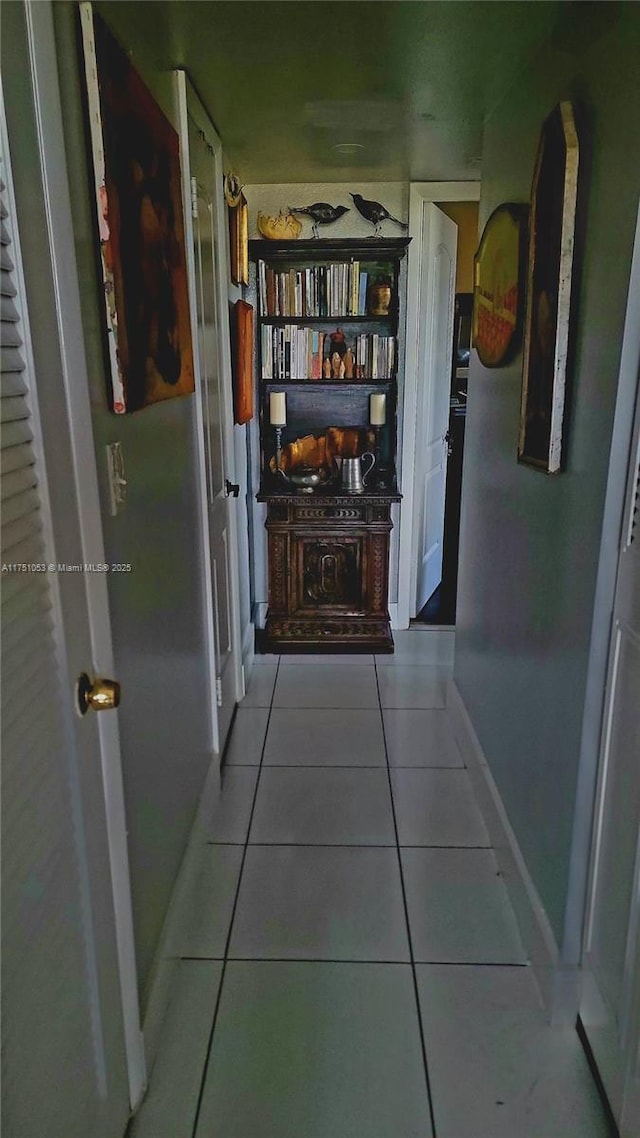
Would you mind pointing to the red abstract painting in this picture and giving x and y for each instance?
(139, 199)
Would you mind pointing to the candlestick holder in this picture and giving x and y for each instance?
(381, 480)
(278, 431)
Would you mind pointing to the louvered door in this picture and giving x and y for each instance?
(64, 1068)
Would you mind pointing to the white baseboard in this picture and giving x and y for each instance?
(248, 653)
(260, 609)
(179, 915)
(559, 985)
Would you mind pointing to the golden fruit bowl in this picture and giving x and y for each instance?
(284, 227)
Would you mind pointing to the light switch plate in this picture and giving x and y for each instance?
(117, 479)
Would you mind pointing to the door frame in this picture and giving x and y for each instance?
(420, 194)
(621, 1085)
(597, 669)
(55, 184)
(433, 404)
(189, 103)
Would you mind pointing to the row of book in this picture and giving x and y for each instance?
(321, 290)
(291, 352)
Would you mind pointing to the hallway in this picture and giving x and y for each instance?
(354, 968)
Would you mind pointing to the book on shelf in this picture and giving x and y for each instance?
(289, 351)
(338, 289)
(375, 357)
(362, 292)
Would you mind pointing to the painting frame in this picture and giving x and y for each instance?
(498, 285)
(239, 241)
(550, 307)
(243, 362)
(138, 197)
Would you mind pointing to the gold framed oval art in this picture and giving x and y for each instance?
(498, 285)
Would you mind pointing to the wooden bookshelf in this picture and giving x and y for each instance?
(328, 549)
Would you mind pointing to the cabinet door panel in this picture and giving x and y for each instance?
(330, 574)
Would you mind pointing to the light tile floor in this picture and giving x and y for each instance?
(354, 967)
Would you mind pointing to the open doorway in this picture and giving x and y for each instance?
(444, 228)
(440, 606)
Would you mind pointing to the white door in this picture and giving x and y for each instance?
(435, 347)
(213, 351)
(64, 1032)
(610, 1010)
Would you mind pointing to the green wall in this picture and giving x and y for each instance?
(530, 542)
(157, 610)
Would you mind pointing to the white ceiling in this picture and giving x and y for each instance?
(408, 83)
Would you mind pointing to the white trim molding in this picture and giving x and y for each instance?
(179, 916)
(558, 983)
(55, 181)
(248, 653)
(612, 523)
(190, 107)
(420, 193)
(207, 581)
(260, 609)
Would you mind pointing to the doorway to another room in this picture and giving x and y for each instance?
(440, 608)
(444, 228)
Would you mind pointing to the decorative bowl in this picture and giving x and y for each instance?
(309, 476)
(284, 227)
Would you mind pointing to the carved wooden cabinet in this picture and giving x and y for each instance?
(329, 354)
(328, 572)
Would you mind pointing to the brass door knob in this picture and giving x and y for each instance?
(98, 694)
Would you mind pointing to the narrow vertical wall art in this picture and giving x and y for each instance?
(238, 229)
(549, 312)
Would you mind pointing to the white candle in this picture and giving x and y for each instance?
(377, 410)
(278, 408)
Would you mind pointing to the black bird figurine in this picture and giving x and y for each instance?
(321, 213)
(375, 213)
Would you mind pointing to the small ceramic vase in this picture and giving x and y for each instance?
(380, 298)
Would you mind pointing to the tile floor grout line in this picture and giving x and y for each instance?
(357, 960)
(342, 707)
(406, 917)
(450, 846)
(476, 963)
(196, 1117)
(317, 766)
(315, 960)
(351, 845)
(347, 766)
